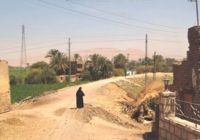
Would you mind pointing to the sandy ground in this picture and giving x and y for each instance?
(54, 116)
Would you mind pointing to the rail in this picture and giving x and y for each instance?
(188, 111)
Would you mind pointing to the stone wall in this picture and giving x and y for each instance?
(187, 75)
(172, 127)
(4, 87)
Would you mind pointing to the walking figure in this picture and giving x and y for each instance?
(79, 98)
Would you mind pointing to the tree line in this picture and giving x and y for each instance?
(95, 67)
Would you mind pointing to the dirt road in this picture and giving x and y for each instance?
(54, 116)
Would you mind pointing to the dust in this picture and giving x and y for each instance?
(60, 112)
(88, 112)
(13, 121)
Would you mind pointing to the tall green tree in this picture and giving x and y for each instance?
(99, 67)
(58, 61)
(132, 65)
(120, 61)
(40, 72)
(77, 57)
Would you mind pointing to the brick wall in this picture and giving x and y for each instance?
(172, 127)
(187, 75)
(4, 87)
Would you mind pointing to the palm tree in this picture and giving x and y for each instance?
(58, 61)
(77, 57)
(99, 67)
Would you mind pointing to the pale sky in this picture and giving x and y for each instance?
(94, 24)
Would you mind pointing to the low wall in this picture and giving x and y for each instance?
(172, 127)
(4, 87)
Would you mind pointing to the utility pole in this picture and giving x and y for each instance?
(126, 65)
(197, 10)
(69, 45)
(23, 59)
(146, 55)
(154, 66)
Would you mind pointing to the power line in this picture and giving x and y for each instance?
(102, 18)
(82, 42)
(32, 48)
(122, 16)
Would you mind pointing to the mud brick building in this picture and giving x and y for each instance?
(4, 87)
(187, 74)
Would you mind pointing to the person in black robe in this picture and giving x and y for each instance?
(79, 98)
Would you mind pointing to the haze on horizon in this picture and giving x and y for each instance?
(119, 24)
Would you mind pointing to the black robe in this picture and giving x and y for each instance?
(79, 98)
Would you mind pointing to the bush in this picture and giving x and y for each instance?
(17, 75)
(37, 76)
(152, 104)
(118, 72)
(141, 69)
(86, 76)
(20, 79)
(34, 76)
(13, 80)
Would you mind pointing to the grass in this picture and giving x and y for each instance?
(136, 90)
(22, 91)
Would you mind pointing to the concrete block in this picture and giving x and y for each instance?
(162, 116)
(161, 138)
(166, 126)
(163, 133)
(172, 137)
(160, 108)
(163, 101)
(178, 131)
(184, 134)
(198, 137)
(168, 136)
(178, 138)
(161, 124)
(191, 136)
(171, 128)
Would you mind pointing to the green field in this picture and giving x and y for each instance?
(22, 91)
(18, 72)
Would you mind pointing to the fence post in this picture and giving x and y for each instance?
(167, 104)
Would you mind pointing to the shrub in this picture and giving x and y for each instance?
(20, 79)
(141, 69)
(34, 76)
(152, 103)
(37, 76)
(118, 72)
(86, 75)
(13, 80)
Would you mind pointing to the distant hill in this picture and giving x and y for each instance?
(134, 54)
